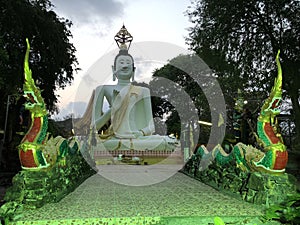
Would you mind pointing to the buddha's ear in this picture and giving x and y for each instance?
(114, 73)
(133, 72)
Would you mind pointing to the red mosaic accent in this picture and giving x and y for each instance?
(281, 160)
(27, 159)
(33, 132)
(270, 133)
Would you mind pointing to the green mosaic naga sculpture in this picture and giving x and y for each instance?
(36, 150)
(274, 157)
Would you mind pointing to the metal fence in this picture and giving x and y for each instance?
(151, 153)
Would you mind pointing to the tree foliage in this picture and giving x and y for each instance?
(241, 39)
(180, 96)
(52, 57)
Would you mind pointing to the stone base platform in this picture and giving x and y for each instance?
(253, 187)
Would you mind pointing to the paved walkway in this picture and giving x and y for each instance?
(179, 196)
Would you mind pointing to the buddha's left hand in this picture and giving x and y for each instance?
(138, 133)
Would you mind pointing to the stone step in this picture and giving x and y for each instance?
(137, 220)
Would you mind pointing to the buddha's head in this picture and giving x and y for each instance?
(123, 68)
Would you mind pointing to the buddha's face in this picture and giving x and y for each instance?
(124, 67)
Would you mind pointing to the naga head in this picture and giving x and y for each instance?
(271, 105)
(34, 101)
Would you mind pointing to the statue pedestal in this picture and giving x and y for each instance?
(143, 143)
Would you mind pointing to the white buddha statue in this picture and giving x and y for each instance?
(130, 113)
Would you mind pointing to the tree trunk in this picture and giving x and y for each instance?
(296, 112)
(290, 73)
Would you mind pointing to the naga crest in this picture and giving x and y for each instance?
(271, 104)
(267, 125)
(34, 101)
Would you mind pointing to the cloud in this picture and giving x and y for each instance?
(87, 11)
(77, 109)
(145, 69)
(89, 80)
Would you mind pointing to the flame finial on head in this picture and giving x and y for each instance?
(123, 37)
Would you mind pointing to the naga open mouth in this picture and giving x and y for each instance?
(30, 100)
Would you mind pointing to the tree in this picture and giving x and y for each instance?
(52, 57)
(187, 94)
(245, 37)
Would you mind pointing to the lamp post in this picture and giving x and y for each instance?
(186, 148)
(4, 132)
(6, 117)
